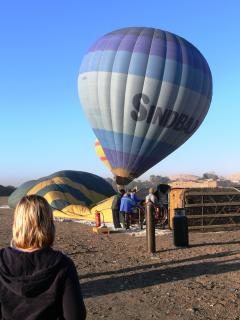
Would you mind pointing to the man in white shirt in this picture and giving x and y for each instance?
(151, 197)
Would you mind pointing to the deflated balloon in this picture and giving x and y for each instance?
(145, 92)
(65, 188)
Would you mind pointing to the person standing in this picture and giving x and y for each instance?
(163, 192)
(37, 282)
(126, 209)
(116, 208)
(151, 196)
(134, 197)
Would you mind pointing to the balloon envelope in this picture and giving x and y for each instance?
(101, 154)
(64, 188)
(145, 92)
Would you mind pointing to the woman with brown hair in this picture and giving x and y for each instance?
(37, 282)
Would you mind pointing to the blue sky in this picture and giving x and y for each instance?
(42, 126)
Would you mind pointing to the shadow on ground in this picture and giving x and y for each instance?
(156, 273)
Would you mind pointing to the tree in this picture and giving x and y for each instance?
(210, 175)
(155, 180)
(6, 191)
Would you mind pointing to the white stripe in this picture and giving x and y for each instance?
(102, 112)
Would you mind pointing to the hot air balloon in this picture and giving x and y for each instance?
(71, 194)
(145, 92)
(101, 154)
(65, 188)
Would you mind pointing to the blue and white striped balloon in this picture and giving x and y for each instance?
(145, 92)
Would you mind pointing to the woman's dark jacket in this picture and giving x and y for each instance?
(39, 285)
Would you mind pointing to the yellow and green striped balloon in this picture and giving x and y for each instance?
(65, 189)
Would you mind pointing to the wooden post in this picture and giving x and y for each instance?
(150, 230)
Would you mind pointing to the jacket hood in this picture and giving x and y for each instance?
(29, 273)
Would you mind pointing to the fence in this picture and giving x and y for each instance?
(207, 208)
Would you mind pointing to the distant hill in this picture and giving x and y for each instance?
(184, 177)
(6, 191)
(234, 177)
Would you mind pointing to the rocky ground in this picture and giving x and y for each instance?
(121, 281)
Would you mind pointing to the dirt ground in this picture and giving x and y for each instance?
(121, 281)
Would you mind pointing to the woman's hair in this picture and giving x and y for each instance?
(33, 225)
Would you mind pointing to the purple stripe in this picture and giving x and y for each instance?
(129, 42)
(126, 158)
(110, 42)
(137, 164)
(169, 48)
(129, 161)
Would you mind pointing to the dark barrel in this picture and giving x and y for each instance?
(180, 228)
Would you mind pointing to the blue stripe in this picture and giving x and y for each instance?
(151, 66)
(59, 204)
(154, 42)
(118, 141)
(20, 192)
(138, 164)
(128, 155)
(88, 180)
(125, 143)
(64, 188)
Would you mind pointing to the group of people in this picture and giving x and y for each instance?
(122, 206)
(125, 202)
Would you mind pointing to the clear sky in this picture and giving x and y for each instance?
(42, 126)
